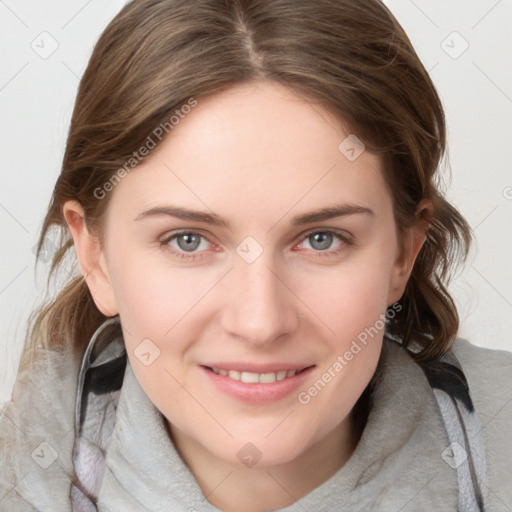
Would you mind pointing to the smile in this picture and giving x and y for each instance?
(255, 378)
(268, 383)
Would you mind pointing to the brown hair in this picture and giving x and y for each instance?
(350, 57)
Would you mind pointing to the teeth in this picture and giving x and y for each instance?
(233, 374)
(254, 378)
(250, 378)
(267, 378)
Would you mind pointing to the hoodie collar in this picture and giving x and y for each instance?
(397, 460)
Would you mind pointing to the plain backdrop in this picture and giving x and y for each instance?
(465, 45)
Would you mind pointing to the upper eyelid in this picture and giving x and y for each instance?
(338, 232)
(171, 235)
(298, 238)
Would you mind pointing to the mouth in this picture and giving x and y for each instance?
(270, 384)
(256, 378)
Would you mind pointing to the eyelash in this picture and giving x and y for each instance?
(346, 243)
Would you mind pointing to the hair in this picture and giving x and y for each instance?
(352, 58)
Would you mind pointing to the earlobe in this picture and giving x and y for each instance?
(91, 259)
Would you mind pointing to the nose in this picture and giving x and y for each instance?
(259, 308)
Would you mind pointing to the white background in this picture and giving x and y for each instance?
(36, 100)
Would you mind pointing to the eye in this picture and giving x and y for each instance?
(321, 242)
(185, 244)
(191, 245)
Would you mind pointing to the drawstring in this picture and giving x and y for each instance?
(100, 380)
(90, 360)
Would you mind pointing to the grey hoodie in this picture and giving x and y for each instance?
(422, 448)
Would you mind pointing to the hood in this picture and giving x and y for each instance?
(88, 438)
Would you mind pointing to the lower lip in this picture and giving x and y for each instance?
(258, 393)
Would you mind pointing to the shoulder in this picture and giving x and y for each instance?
(37, 433)
(488, 371)
(489, 376)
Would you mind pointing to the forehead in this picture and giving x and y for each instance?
(255, 150)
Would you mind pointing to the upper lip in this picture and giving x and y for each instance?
(258, 368)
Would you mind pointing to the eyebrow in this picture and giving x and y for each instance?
(322, 214)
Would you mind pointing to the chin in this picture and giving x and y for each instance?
(257, 450)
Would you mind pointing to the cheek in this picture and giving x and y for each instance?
(155, 310)
(350, 297)
(168, 306)
(352, 304)
(150, 294)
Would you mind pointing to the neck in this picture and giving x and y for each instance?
(232, 488)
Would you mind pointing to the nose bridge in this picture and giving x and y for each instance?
(258, 307)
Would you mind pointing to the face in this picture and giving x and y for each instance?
(263, 322)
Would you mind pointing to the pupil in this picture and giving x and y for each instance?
(324, 240)
(191, 241)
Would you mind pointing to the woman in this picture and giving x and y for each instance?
(261, 320)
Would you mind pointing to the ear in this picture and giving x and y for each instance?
(413, 240)
(91, 259)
